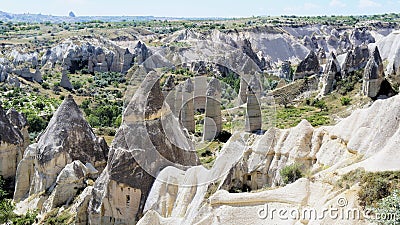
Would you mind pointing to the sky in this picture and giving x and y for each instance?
(201, 8)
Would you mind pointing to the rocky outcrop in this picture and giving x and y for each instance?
(361, 36)
(4, 71)
(373, 75)
(65, 83)
(187, 112)
(355, 59)
(26, 73)
(169, 92)
(72, 179)
(307, 67)
(13, 141)
(150, 139)
(253, 120)
(213, 119)
(332, 74)
(286, 70)
(94, 55)
(200, 196)
(248, 50)
(141, 53)
(67, 138)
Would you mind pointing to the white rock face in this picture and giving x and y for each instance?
(95, 55)
(373, 75)
(370, 135)
(13, 140)
(141, 148)
(69, 181)
(213, 119)
(51, 164)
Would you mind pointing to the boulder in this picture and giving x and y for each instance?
(72, 179)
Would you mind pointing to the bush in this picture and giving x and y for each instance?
(7, 215)
(36, 123)
(291, 173)
(389, 206)
(45, 85)
(376, 186)
(345, 100)
(77, 85)
(321, 104)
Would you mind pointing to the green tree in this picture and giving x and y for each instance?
(36, 123)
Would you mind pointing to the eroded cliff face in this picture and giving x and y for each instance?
(365, 139)
(14, 138)
(68, 154)
(150, 139)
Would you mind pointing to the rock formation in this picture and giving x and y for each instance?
(286, 71)
(149, 139)
(200, 88)
(373, 75)
(12, 142)
(359, 141)
(248, 50)
(253, 120)
(141, 52)
(169, 92)
(361, 36)
(26, 73)
(94, 55)
(331, 75)
(213, 119)
(178, 100)
(67, 138)
(307, 67)
(65, 83)
(187, 112)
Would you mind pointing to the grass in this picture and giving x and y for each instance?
(207, 153)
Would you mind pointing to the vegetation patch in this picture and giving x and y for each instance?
(374, 185)
(291, 173)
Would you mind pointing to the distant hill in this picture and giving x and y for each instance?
(38, 18)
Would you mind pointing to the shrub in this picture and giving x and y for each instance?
(36, 123)
(291, 173)
(390, 207)
(45, 85)
(345, 100)
(376, 186)
(321, 104)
